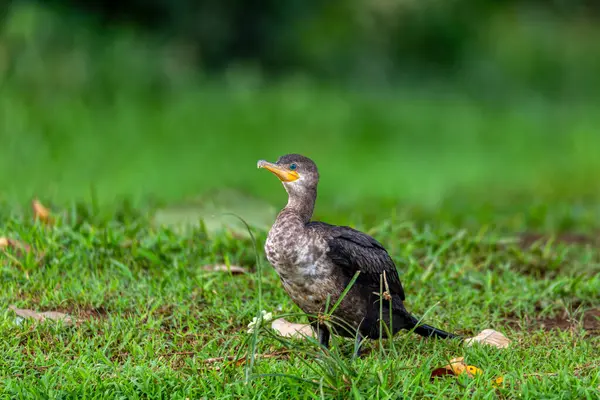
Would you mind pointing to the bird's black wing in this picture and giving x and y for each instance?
(356, 251)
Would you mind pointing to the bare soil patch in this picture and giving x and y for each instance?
(589, 322)
(528, 239)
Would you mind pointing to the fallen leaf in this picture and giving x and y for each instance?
(234, 269)
(490, 337)
(40, 212)
(6, 243)
(41, 316)
(456, 367)
(441, 371)
(291, 329)
(244, 358)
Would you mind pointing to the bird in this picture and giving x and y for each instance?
(318, 263)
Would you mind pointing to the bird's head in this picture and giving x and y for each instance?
(298, 174)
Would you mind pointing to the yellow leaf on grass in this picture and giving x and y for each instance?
(456, 367)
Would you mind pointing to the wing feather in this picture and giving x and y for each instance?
(356, 251)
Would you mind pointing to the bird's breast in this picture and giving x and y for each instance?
(310, 277)
(299, 256)
(293, 250)
(310, 289)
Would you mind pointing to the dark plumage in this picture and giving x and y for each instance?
(316, 260)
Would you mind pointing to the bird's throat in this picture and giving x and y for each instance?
(302, 206)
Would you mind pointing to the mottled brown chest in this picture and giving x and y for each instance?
(310, 278)
(319, 296)
(290, 246)
(299, 256)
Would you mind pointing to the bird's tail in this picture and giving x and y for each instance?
(428, 330)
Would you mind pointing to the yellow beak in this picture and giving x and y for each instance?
(284, 174)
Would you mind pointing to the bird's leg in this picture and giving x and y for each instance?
(357, 345)
(323, 335)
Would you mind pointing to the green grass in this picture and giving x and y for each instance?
(446, 181)
(452, 182)
(415, 145)
(151, 317)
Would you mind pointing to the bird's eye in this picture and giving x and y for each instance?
(293, 166)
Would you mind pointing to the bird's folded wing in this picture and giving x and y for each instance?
(356, 251)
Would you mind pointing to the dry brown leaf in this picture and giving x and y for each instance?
(290, 329)
(490, 337)
(40, 212)
(234, 269)
(241, 360)
(244, 358)
(42, 316)
(456, 367)
(6, 243)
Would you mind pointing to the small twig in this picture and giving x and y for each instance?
(576, 371)
(539, 374)
(243, 358)
(387, 294)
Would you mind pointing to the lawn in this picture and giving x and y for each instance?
(152, 322)
(487, 200)
(489, 208)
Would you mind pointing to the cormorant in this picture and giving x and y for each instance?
(316, 261)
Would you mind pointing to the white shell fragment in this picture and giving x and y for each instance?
(290, 329)
(490, 337)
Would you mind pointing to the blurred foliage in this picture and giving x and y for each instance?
(127, 101)
(546, 46)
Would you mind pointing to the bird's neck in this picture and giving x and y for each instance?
(301, 206)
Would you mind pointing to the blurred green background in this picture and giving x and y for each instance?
(411, 102)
